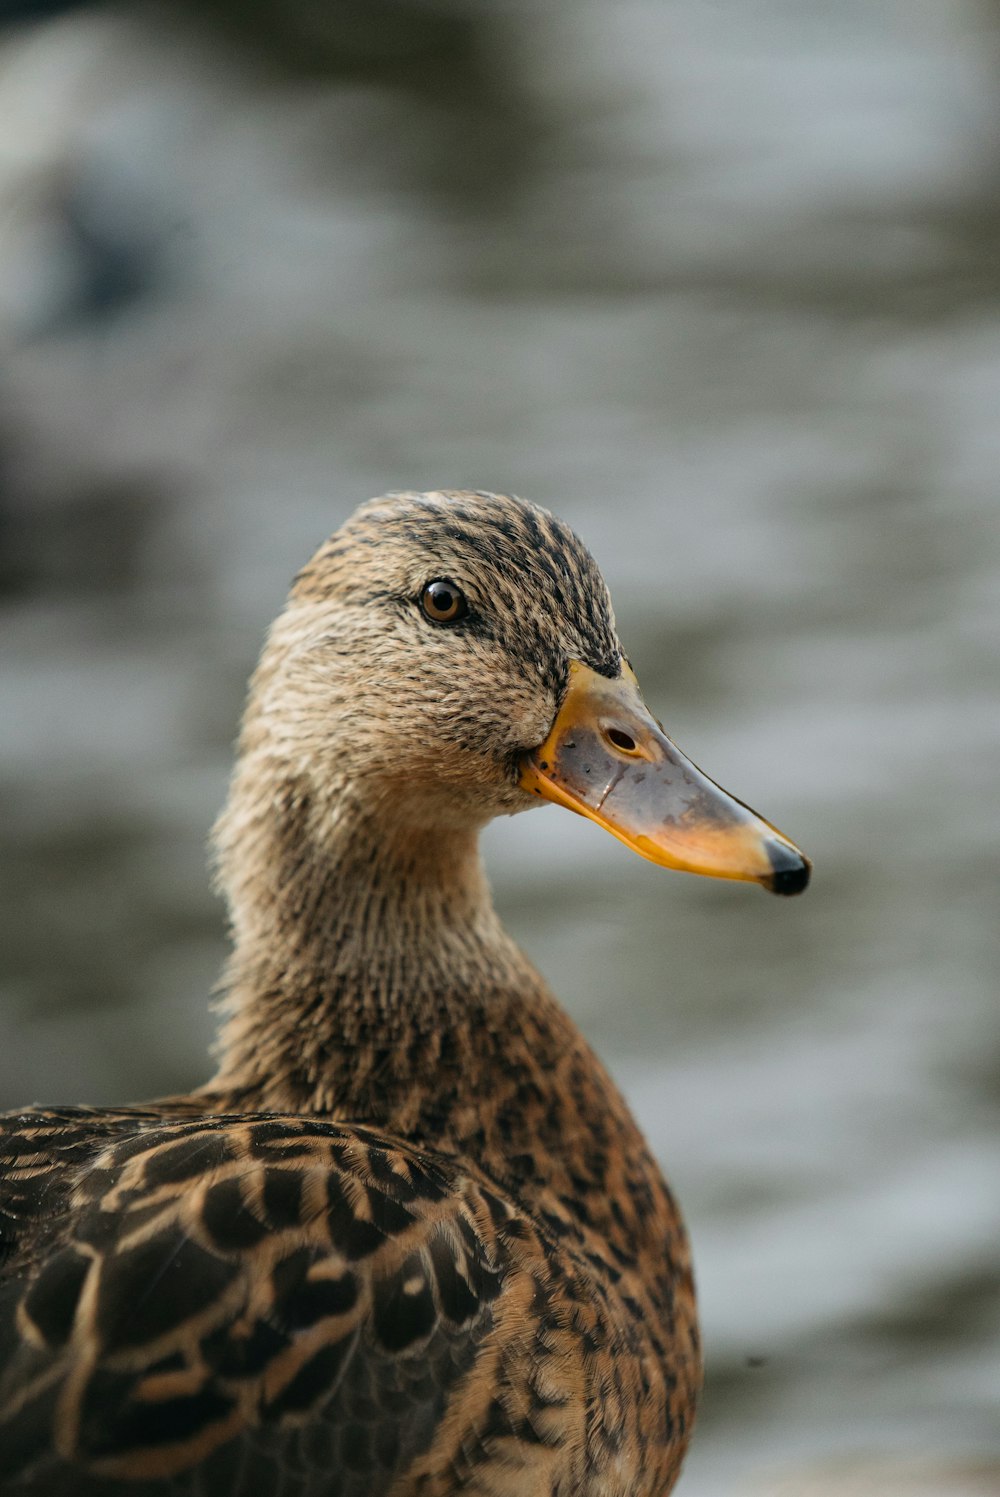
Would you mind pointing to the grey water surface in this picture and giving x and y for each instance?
(718, 282)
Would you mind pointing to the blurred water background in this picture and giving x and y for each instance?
(717, 281)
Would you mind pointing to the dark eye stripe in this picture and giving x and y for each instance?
(443, 602)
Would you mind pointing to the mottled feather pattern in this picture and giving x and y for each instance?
(243, 1272)
(271, 1276)
(409, 1240)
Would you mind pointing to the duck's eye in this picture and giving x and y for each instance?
(443, 602)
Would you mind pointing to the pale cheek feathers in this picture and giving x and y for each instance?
(450, 714)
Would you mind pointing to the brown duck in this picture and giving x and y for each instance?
(409, 1240)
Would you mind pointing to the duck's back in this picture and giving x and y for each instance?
(261, 1304)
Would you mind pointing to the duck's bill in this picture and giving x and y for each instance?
(607, 758)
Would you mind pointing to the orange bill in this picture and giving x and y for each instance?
(607, 758)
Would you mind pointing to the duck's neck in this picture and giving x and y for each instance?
(361, 945)
(372, 982)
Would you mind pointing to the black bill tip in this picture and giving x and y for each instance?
(791, 869)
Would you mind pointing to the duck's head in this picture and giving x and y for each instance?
(448, 657)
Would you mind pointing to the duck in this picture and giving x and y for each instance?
(409, 1238)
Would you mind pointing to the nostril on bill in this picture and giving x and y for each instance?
(621, 740)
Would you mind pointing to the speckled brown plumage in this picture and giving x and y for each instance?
(409, 1240)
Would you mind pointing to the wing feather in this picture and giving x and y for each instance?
(215, 1294)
